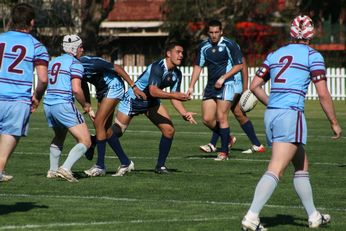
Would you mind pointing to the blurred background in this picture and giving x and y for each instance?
(134, 32)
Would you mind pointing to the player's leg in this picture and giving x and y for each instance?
(209, 120)
(282, 154)
(302, 186)
(104, 112)
(55, 150)
(7, 145)
(159, 116)
(223, 107)
(247, 126)
(122, 121)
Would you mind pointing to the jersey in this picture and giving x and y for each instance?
(291, 69)
(219, 58)
(101, 74)
(156, 74)
(19, 54)
(61, 71)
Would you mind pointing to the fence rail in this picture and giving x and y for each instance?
(335, 81)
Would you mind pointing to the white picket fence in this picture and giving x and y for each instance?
(335, 79)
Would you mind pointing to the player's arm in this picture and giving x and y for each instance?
(194, 77)
(42, 76)
(159, 93)
(328, 107)
(245, 75)
(188, 116)
(123, 74)
(235, 69)
(86, 91)
(79, 94)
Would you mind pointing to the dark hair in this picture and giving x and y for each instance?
(21, 16)
(215, 22)
(171, 45)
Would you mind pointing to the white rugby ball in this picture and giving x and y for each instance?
(247, 101)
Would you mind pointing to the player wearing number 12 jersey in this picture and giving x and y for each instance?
(20, 53)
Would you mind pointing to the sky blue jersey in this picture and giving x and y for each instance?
(291, 69)
(19, 54)
(219, 58)
(158, 74)
(61, 71)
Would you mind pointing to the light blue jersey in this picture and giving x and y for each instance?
(19, 54)
(291, 69)
(61, 71)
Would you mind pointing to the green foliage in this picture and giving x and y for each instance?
(200, 194)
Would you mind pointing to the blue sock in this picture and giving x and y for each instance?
(101, 152)
(224, 134)
(214, 138)
(114, 142)
(250, 132)
(164, 147)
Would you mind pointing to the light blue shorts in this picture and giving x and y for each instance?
(132, 106)
(227, 92)
(64, 115)
(115, 91)
(14, 118)
(285, 125)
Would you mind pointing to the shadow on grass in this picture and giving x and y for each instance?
(20, 207)
(281, 219)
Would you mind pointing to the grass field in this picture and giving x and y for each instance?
(200, 194)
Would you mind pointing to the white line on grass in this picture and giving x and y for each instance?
(180, 158)
(155, 201)
(51, 225)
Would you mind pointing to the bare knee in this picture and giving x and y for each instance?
(168, 131)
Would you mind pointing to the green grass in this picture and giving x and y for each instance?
(200, 194)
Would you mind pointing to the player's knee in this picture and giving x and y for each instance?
(168, 131)
(117, 129)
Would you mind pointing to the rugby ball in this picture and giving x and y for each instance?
(247, 101)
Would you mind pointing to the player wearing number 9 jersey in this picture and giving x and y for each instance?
(20, 53)
(290, 70)
(65, 77)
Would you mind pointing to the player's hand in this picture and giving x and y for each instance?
(181, 96)
(34, 103)
(189, 117)
(87, 108)
(190, 92)
(139, 94)
(91, 114)
(219, 82)
(337, 131)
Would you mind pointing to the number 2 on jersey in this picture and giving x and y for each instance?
(288, 63)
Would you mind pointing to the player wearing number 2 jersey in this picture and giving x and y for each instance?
(290, 70)
(65, 75)
(20, 53)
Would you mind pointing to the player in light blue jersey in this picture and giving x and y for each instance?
(20, 53)
(108, 81)
(290, 69)
(65, 76)
(159, 75)
(227, 79)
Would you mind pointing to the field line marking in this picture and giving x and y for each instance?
(179, 158)
(32, 226)
(166, 201)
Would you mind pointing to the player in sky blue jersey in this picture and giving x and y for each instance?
(20, 53)
(64, 85)
(226, 75)
(108, 81)
(290, 69)
(159, 75)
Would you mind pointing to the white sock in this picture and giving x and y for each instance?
(54, 156)
(264, 190)
(76, 152)
(301, 182)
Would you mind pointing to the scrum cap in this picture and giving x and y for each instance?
(70, 43)
(302, 28)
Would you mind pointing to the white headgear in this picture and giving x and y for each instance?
(70, 43)
(302, 28)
